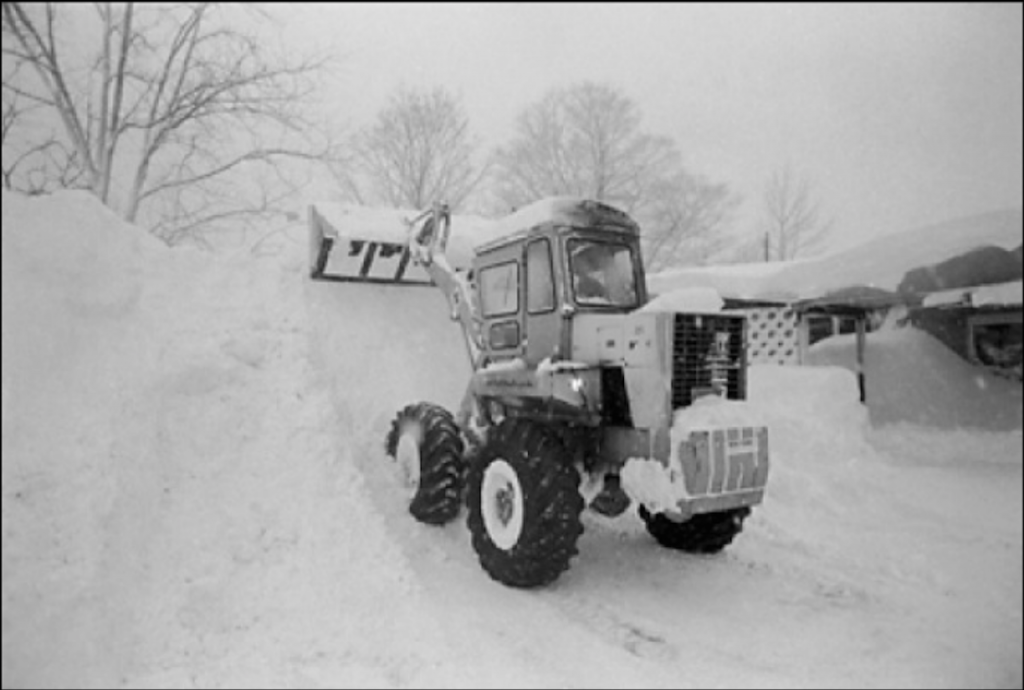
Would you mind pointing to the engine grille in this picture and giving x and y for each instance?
(708, 357)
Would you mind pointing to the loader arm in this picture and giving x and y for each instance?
(428, 242)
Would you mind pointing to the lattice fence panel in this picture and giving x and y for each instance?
(773, 335)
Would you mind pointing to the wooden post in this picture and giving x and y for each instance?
(861, 343)
(803, 336)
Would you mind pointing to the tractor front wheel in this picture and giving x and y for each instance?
(524, 505)
(425, 442)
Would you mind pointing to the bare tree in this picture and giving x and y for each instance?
(169, 91)
(36, 163)
(792, 223)
(743, 249)
(584, 140)
(685, 219)
(418, 151)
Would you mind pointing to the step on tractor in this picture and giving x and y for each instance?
(578, 394)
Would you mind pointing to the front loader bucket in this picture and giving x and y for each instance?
(335, 257)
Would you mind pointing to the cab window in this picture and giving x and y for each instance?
(540, 285)
(602, 273)
(499, 289)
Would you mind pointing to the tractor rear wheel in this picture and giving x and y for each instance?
(704, 533)
(524, 505)
(426, 443)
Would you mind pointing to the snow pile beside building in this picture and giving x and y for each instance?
(911, 377)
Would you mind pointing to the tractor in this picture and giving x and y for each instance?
(579, 394)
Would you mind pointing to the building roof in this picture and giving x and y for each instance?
(887, 269)
(1009, 294)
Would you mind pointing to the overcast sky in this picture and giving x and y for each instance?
(899, 115)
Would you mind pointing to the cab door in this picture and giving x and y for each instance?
(542, 316)
(500, 292)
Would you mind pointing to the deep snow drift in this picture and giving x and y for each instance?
(195, 494)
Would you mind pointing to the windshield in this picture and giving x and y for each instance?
(602, 273)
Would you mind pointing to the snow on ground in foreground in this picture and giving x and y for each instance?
(195, 494)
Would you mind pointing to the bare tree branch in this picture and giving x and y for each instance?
(792, 221)
(686, 221)
(584, 140)
(164, 82)
(41, 54)
(418, 151)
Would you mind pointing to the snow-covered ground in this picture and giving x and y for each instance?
(195, 493)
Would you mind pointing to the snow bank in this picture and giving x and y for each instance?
(713, 412)
(813, 414)
(177, 508)
(911, 377)
(73, 355)
(78, 247)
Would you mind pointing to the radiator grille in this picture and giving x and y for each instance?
(708, 356)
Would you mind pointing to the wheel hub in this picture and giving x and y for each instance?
(505, 500)
(502, 504)
(407, 456)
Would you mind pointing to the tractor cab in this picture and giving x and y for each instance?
(579, 258)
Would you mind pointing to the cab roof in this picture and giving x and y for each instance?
(558, 211)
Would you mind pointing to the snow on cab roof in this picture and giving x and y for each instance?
(559, 210)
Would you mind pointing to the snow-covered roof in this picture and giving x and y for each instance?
(1010, 294)
(734, 281)
(881, 263)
